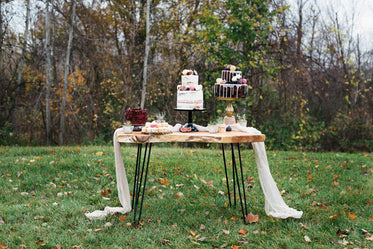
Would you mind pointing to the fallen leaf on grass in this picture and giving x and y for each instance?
(164, 181)
(243, 231)
(303, 226)
(352, 216)
(108, 224)
(122, 218)
(58, 246)
(334, 217)
(370, 238)
(226, 231)
(307, 239)
(192, 233)
(3, 246)
(251, 218)
(202, 239)
(178, 195)
(202, 227)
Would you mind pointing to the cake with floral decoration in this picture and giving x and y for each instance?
(189, 93)
(231, 85)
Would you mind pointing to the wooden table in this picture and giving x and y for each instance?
(143, 158)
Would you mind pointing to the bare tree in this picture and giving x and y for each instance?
(48, 72)
(67, 65)
(20, 68)
(145, 75)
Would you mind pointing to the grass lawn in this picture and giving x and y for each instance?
(45, 192)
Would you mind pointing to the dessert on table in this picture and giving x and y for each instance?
(189, 93)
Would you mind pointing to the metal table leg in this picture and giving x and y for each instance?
(236, 180)
(139, 184)
(226, 175)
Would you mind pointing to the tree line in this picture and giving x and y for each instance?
(69, 76)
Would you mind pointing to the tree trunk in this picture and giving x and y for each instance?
(1, 41)
(48, 74)
(20, 67)
(25, 37)
(145, 75)
(67, 65)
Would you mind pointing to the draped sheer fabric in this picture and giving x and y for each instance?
(275, 206)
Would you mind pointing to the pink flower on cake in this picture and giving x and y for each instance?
(244, 81)
(192, 88)
(219, 80)
(197, 107)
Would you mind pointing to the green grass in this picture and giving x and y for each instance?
(46, 191)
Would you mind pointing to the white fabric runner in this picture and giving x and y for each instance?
(274, 204)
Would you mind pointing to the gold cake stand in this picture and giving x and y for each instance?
(229, 119)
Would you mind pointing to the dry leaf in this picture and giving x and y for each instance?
(3, 246)
(333, 217)
(242, 231)
(250, 218)
(226, 231)
(192, 233)
(370, 238)
(352, 216)
(235, 247)
(122, 218)
(108, 224)
(307, 239)
(202, 227)
(303, 226)
(202, 239)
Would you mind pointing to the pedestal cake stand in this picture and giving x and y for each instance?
(189, 127)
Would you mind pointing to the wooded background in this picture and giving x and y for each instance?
(69, 76)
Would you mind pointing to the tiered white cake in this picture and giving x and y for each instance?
(189, 93)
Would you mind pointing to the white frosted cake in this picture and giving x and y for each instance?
(189, 93)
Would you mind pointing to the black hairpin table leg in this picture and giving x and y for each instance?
(239, 181)
(139, 184)
(226, 175)
(235, 170)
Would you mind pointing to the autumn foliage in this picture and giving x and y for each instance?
(310, 81)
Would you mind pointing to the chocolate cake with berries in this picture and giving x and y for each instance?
(231, 85)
